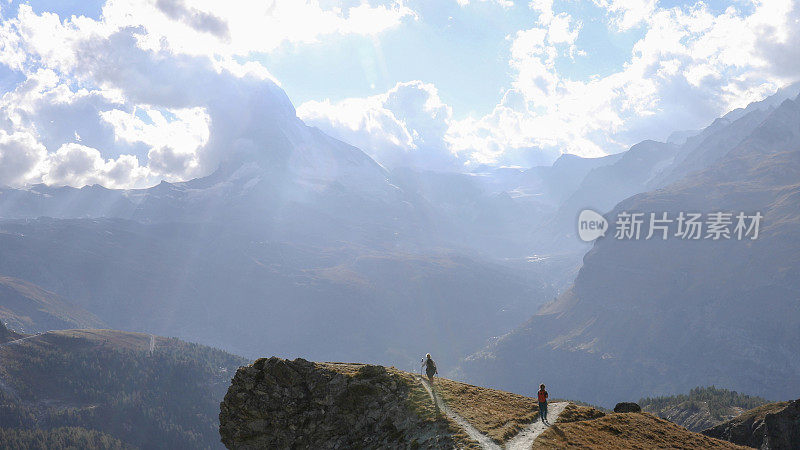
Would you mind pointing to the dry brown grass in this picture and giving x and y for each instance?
(626, 431)
(575, 413)
(498, 414)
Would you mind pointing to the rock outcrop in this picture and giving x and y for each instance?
(775, 426)
(277, 403)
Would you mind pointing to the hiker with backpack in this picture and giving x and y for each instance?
(543, 404)
(430, 367)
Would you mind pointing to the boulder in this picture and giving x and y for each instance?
(627, 407)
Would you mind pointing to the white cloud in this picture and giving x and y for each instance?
(214, 27)
(626, 14)
(503, 3)
(151, 81)
(20, 157)
(406, 126)
(691, 66)
(157, 88)
(78, 165)
(173, 141)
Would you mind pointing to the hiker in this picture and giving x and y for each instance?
(543, 404)
(430, 367)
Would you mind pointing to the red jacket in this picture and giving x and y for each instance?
(542, 396)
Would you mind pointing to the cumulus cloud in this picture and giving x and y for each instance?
(690, 66)
(20, 157)
(626, 14)
(406, 126)
(163, 89)
(78, 165)
(211, 26)
(154, 89)
(173, 141)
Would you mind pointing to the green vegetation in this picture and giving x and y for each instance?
(719, 401)
(108, 381)
(58, 439)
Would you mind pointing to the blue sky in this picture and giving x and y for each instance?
(464, 51)
(437, 85)
(461, 50)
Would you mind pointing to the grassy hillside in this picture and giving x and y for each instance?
(702, 408)
(27, 308)
(498, 414)
(109, 381)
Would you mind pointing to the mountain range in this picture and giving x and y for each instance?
(308, 247)
(660, 316)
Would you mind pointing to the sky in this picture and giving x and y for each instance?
(126, 93)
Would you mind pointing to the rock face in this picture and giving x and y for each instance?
(626, 407)
(775, 426)
(277, 403)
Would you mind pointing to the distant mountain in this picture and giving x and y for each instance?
(606, 185)
(27, 308)
(702, 408)
(302, 246)
(548, 185)
(211, 284)
(305, 246)
(113, 389)
(703, 148)
(657, 316)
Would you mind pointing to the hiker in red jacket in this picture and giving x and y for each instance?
(543, 404)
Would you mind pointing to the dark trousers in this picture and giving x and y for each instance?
(543, 410)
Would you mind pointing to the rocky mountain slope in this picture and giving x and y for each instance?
(775, 426)
(276, 403)
(702, 408)
(659, 316)
(604, 186)
(107, 389)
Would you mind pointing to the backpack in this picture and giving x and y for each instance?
(430, 365)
